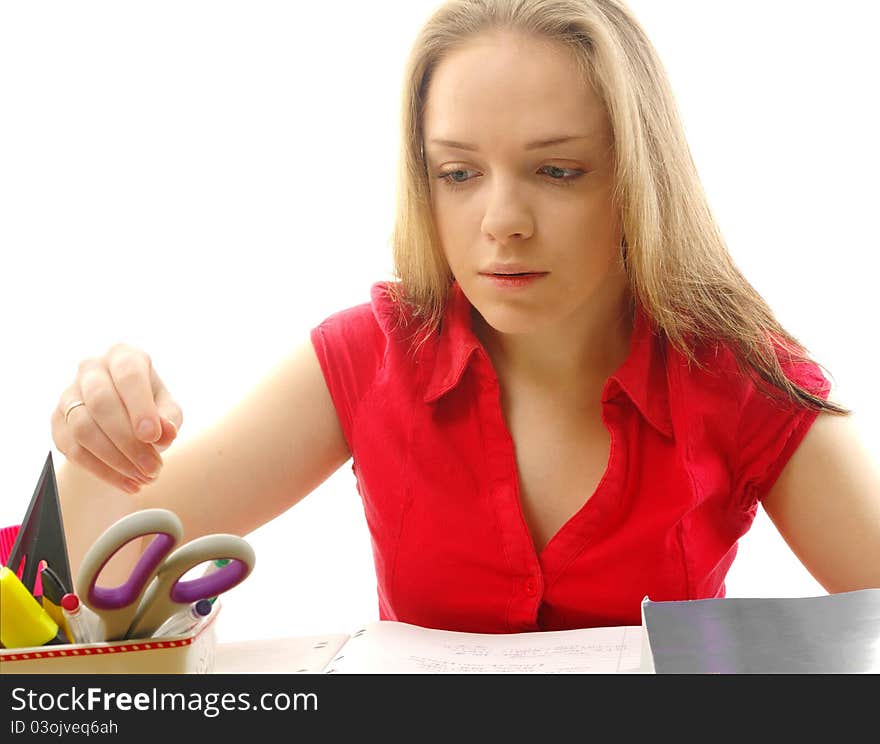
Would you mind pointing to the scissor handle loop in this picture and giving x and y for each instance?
(163, 523)
(168, 594)
(201, 550)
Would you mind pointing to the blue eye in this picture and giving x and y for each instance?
(555, 174)
(449, 177)
(557, 169)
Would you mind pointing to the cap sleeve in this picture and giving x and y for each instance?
(770, 431)
(349, 346)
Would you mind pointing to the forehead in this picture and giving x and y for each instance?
(506, 87)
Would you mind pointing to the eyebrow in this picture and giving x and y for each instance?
(536, 145)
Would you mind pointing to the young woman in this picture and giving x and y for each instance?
(570, 399)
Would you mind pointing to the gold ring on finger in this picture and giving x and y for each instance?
(70, 407)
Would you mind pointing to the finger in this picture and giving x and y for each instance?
(100, 470)
(130, 371)
(108, 412)
(79, 439)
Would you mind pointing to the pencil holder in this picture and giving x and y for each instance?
(192, 653)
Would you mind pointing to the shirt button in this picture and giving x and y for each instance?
(531, 587)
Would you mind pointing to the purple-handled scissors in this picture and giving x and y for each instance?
(154, 590)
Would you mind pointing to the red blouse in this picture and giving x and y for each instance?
(692, 452)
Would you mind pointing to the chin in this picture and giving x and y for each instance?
(510, 320)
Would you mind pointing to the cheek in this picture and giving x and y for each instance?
(455, 228)
(587, 213)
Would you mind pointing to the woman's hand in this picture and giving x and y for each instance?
(116, 418)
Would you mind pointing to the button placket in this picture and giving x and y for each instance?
(502, 480)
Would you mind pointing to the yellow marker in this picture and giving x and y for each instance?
(23, 622)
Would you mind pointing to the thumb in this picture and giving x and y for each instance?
(170, 415)
(169, 434)
(169, 429)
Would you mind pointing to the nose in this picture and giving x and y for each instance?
(507, 215)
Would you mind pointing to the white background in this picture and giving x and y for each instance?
(209, 180)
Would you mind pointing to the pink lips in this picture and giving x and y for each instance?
(514, 281)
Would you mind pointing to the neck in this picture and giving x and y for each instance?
(573, 356)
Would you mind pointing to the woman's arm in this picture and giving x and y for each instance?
(269, 451)
(826, 506)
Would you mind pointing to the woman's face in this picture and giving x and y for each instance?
(520, 163)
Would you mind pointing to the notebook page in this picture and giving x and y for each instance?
(400, 648)
(306, 655)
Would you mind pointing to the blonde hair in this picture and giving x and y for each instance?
(676, 260)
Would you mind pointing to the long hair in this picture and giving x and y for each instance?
(677, 263)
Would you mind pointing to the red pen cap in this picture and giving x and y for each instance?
(70, 602)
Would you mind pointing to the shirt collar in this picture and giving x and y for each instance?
(641, 376)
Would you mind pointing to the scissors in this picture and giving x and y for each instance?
(154, 590)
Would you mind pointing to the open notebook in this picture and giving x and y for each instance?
(824, 634)
(385, 646)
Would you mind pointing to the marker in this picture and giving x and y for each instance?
(23, 622)
(76, 619)
(184, 621)
(215, 566)
(53, 591)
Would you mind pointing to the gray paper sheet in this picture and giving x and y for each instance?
(829, 634)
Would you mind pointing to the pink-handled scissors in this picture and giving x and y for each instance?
(154, 590)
